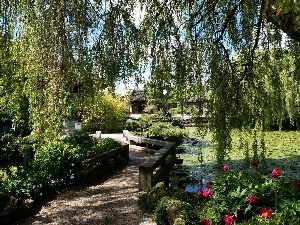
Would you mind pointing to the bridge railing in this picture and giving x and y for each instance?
(158, 166)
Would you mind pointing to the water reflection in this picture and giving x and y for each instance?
(192, 178)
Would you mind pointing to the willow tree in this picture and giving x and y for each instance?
(67, 50)
(200, 41)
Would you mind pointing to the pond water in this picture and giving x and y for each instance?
(192, 178)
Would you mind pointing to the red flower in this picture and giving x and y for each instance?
(199, 193)
(265, 213)
(229, 219)
(209, 183)
(226, 167)
(276, 172)
(252, 199)
(297, 184)
(254, 163)
(207, 193)
(205, 221)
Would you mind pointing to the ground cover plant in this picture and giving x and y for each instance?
(264, 190)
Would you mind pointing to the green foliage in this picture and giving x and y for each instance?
(231, 191)
(106, 112)
(16, 151)
(158, 200)
(48, 166)
(158, 127)
(106, 144)
(165, 131)
(80, 139)
(9, 154)
(183, 210)
(56, 57)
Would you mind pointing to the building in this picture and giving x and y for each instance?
(137, 102)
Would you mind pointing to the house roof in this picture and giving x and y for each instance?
(137, 96)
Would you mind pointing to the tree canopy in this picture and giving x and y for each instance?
(56, 53)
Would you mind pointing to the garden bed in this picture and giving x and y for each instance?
(98, 165)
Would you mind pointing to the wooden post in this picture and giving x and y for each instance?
(145, 178)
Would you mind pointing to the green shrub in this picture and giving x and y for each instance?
(9, 151)
(56, 159)
(182, 209)
(106, 112)
(51, 167)
(80, 139)
(31, 183)
(104, 145)
(146, 120)
(165, 131)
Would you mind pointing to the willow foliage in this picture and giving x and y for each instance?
(59, 53)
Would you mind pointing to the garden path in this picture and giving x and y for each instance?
(110, 201)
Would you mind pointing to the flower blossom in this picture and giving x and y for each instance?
(229, 219)
(226, 167)
(205, 221)
(265, 213)
(254, 163)
(207, 193)
(199, 193)
(276, 172)
(252, 199)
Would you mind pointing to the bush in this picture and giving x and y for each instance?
(9, 151)
(106, 112)
(16, 151)
(80, 139)
(168, 209)
(51, 167)
(165, 131)
(250, 196)
(105, 144)
(56, 159)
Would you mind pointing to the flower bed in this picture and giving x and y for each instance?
(248, 196)
(47, 167)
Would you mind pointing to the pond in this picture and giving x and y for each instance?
(194, 177)
(199, 163)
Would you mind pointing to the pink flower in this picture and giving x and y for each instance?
(209, 183)
(252, 199)
(199, 193)
(229, 219)
(205, 221)
(207, 193)
(254, 163)
(226, 167)
(265, 213)
(276, 172)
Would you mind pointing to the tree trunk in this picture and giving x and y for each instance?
(285, 19)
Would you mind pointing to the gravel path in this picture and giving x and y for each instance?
(108, 202)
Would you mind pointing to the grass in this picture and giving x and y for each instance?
(282, 150)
